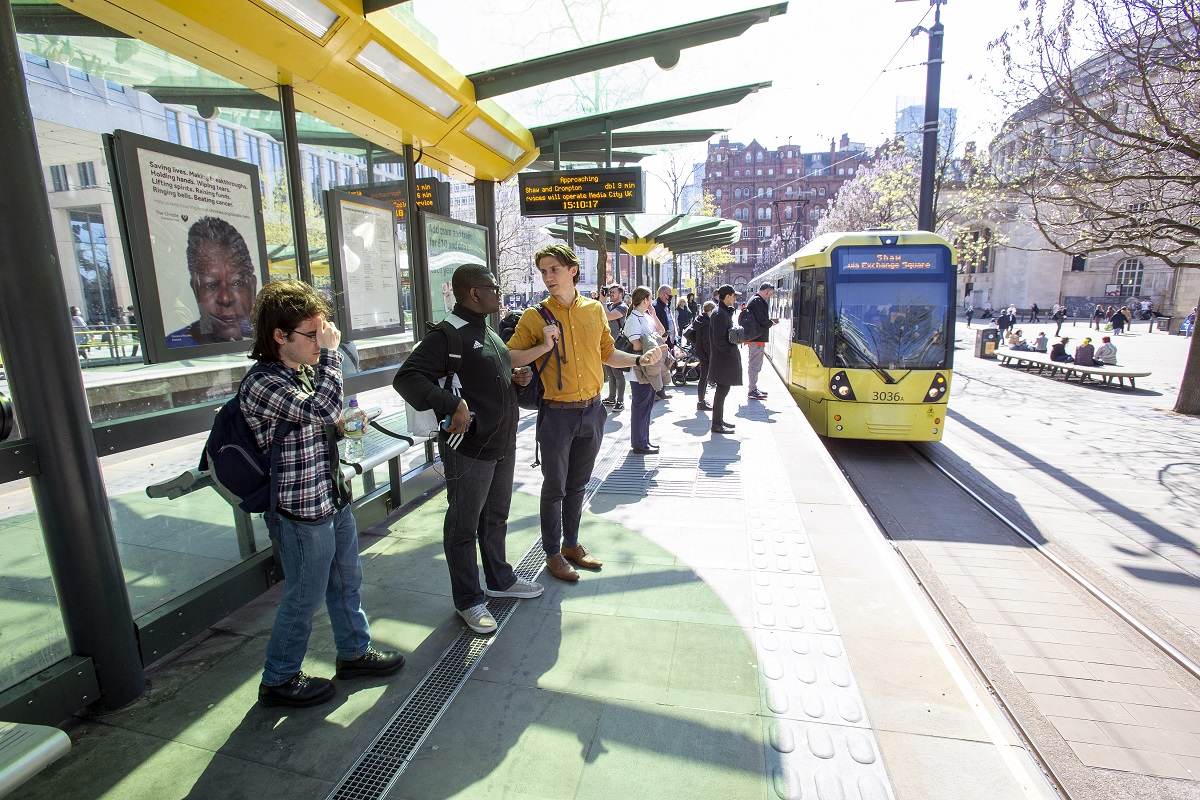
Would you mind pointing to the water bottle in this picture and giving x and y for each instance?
(354, 426)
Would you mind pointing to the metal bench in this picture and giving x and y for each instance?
(382, 442)
(1030, 359)
(25, 750)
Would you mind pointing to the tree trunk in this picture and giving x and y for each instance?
(1188, 401)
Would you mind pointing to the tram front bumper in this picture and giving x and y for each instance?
(901, 422)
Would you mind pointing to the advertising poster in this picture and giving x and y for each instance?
(193, 230)
(364, 233)
(203, 237)
(450, 244)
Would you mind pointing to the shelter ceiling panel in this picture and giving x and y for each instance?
(249, 43)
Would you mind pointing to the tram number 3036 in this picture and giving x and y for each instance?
(887, 397)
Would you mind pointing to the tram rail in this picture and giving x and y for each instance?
(1001, 688)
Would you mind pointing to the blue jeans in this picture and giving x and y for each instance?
(320, 559)
(569, 439)
(479, 494)
(639, 423)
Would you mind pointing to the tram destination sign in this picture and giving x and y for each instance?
(889, 259)
(605, 190)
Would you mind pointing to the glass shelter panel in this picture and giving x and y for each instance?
(33, 637)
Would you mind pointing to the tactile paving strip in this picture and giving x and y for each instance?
(818, 740)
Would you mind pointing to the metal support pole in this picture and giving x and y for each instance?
(418, 259)
(929, 148)
(370, 158)
(42, 364)
(295, 180)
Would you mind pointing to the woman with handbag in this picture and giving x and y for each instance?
(643, 337)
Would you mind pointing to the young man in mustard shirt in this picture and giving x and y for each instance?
(571, 426)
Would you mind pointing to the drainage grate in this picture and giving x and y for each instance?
(378, 769)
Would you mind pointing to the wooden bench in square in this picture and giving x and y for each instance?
(1029, 359)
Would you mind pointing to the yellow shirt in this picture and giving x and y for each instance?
(586, 341)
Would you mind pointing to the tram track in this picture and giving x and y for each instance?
(977, 536)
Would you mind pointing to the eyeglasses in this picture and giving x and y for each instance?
(491, 286)
(312, 336)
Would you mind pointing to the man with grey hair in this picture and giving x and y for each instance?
(756, 346)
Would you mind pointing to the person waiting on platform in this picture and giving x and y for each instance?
(643, 337)
(1085, 354)
(1106, 353)
(1059, 351)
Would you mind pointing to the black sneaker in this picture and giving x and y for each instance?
(300, 692)
(618, 407)
(373, 663)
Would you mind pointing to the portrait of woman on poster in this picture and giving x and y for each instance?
(223, 280)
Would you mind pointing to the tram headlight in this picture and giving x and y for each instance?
(937, 389)
(839, 386)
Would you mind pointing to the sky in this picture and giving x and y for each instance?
(835, 67)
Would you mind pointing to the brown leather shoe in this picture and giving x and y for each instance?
(559, 568)
(578, 555)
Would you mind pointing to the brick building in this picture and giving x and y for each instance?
(778, 195)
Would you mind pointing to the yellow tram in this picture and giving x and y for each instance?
(866, 335)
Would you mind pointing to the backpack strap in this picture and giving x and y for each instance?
(282, 429)
(560, 358)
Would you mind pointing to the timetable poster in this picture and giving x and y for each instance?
(449, 244)
(369, 262)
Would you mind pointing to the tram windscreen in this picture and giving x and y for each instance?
(883, 325)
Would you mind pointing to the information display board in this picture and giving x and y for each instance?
(192, 227)
(604, 190)
(432, 195)
(449, 244)
(895, 259)
(366, 264)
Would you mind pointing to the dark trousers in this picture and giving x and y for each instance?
(1058, 330)
(702, 387)
(639, 424)
(718, 412)
(479, 494)
(569, 439)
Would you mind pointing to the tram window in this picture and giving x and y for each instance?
(819, 313)
(804, 313)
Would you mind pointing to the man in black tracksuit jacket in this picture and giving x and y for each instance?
(478, 448)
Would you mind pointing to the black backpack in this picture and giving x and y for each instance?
(749, 325)
(232, 455)
(508, 325)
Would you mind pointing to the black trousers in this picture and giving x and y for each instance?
(718, 413)
(569, 439)
(702, 388)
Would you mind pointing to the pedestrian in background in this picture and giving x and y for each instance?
(725, 368)
(756, 347)
(643, 336)
(616, 311)
(702, 349)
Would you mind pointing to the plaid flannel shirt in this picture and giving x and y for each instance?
(306, 488)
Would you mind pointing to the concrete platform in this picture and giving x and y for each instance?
(750, 636)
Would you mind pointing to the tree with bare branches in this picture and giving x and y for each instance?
(1104, 151)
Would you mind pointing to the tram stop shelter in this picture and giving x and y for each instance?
(651, 238)
(313, 96)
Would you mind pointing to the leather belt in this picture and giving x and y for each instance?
(571, 403)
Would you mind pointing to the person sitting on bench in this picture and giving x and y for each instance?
(1059, 351)
(1106, 353)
